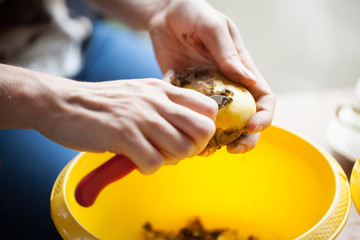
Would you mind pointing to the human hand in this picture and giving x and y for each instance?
(148, 120)
(190, 33)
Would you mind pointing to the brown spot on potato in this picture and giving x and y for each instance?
(211, 83)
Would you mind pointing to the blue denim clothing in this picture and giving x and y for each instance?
(30, 163)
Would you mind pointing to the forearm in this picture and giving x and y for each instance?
(24, 97)
(136, 13)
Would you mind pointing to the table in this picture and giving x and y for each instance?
(308, 114)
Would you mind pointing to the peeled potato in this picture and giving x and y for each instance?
(232, 116)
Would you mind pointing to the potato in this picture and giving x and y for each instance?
(232, 116)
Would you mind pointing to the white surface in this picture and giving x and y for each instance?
(300, 45)
(344, 139)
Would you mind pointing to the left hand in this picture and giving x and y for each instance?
(190, 33)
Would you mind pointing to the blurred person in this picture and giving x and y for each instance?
(56, 97)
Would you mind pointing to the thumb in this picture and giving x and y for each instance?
(169, 76)
(222, 47)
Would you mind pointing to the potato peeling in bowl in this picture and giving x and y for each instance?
(233, 114)
(193, 231)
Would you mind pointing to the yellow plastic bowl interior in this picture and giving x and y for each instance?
(279, 190)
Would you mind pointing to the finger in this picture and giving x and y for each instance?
(244, 144)
(168, 76)
(172, 143)
(265, 99)
(134, 145)
(264, 115)
(219, 42)
(195, 101)
(197, 127)
(245, 57)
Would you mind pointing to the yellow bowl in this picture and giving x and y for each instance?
(355, 185)
(286, 188)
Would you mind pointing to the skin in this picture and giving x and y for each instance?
(150, 121)
(125, 117)
(190, 33)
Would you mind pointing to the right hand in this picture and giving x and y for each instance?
(190, 33)
(148, 120)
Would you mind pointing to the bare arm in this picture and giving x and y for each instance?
(22, 97)
(148, 120)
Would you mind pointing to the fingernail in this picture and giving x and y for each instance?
(258, 128)
(247, 73)
(244, 70)
(169, 75)
(240, 149)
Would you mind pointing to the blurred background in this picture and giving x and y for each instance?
(300, 45)
(309, 53)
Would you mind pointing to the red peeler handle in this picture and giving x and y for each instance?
(91, 185)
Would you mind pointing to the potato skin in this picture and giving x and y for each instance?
(232, 118)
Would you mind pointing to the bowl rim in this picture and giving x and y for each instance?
(337, 172)
(339, 175)
(62, 180)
